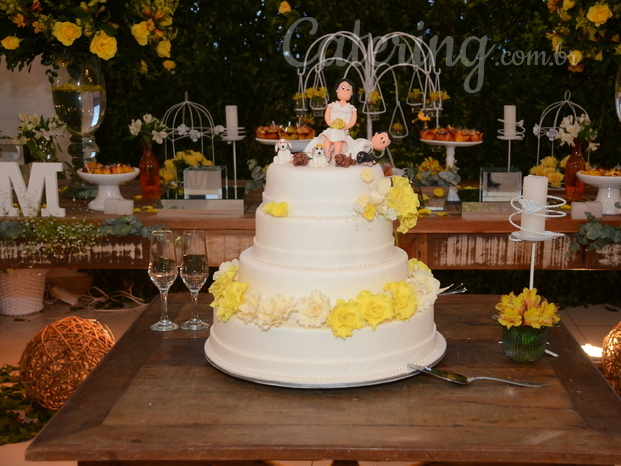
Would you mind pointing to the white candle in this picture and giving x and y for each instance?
(535, 188)
(509, 120)
(231, 121)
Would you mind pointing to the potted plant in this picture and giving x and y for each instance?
(526, 320)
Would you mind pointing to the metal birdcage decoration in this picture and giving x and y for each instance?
(558, 111)
(189, 122)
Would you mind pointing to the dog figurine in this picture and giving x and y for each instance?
(300, 159)
(318, 159)
(366, 158)
(283, 151)
(342, 160)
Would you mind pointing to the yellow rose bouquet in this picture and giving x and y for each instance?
(551, 168)
(129, 34)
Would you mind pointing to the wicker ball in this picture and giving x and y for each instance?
(59, 357)
(611, 358)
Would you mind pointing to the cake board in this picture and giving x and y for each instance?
(347, 382)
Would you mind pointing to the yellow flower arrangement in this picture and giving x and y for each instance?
(171, 172)
(587, 30)
(550, 167)
(527, 309)
(123, 33)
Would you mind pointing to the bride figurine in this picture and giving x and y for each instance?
(340, 116)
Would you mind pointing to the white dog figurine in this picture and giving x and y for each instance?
(318, 159)
(283, 151)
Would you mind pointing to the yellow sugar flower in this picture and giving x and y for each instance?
(277, 209)
(345, 318)
(376, 308)
(66, 32)
(369, 211)
(232, 297)
(403, 299)
(220, 284)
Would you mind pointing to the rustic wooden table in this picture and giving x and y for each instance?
(154, 397)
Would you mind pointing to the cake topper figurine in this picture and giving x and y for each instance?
(340, 116)
(379, 141)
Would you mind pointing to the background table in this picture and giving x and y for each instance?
(450, 242)
(154, 396)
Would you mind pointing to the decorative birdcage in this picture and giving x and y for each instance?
(189, 124)
(557, 111)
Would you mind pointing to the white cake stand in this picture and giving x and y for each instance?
(607, 193)
(108, 186)
(297, 145)
(450, 148)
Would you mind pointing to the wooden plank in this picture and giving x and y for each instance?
(155, 396)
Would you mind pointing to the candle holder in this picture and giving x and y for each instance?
(534, 208)
(517, 135)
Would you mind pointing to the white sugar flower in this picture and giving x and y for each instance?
(426, 288)
(224, 267)
(248, 309)
(273, 311)
(313, 310)
(367, 175)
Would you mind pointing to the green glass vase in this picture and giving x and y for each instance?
(524, 344)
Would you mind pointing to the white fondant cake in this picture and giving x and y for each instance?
(324, 298)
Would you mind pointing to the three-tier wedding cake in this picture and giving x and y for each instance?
(324, 298)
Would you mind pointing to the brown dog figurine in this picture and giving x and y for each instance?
(300, 159)
(342, 160)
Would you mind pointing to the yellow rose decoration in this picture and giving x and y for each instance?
(141, 32)
(10, 42)
(599, 13)
(163, 49)
(103, 46)
(277, 209)
(375, 308)
(403, 299)
(232, 297)
(555, 179)
(345, 318)
(66, 32)
(168, 175)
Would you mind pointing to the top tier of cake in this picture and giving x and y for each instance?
(321, 192)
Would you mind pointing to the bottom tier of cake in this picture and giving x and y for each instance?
(314, 358)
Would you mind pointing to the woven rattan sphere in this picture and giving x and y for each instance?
(59, 357)
(611, 358)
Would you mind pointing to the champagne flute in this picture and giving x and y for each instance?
(163, 272)
(194, 273)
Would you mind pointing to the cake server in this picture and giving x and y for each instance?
(463, 380)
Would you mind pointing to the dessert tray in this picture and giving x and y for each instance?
(279, 380)
(450, 147)
(607, 193)
(108, 186)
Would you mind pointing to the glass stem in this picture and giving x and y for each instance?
(194, 315)
(164, 297)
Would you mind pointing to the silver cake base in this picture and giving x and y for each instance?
(334, 382)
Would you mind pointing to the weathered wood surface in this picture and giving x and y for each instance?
(155, 397)
(450, 242)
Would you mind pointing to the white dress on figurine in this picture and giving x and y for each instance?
(344, 112)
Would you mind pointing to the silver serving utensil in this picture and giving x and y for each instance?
(463, 380)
